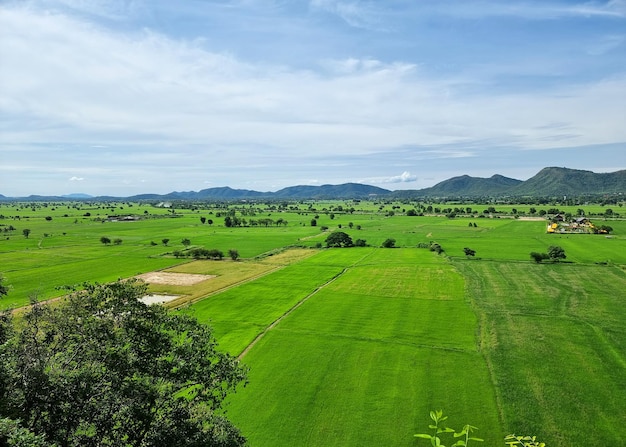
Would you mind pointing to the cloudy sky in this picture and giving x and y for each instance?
(123, 97)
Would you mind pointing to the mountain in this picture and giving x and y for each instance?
(344, 191)
(555, 181)
(467, 186)
(549, 182)
(77, 196)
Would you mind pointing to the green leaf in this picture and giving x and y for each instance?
(423, 436)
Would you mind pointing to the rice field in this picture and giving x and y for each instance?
(355, 346)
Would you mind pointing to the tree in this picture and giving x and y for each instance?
(117, 241)
(313, 222)
(26, 232)
(339, 239)
(389, 243)
(202, 219)
(556, 253)
(186, 242)
(105, 240)
(469, 252)
(102, 368)
(165, 241)
(4, 289)
(234, 254)
(538, 257)
(360, 243)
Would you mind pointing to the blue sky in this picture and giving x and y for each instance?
(122, 97)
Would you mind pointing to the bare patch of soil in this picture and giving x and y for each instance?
(158, 299)
(177, 279)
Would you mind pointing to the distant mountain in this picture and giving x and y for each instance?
(549, 182)
(220, 193)
(77, 196)
(344, 191)
(471, 186)
(554, 181)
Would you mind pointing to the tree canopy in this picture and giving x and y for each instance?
(102, 368)
(339, 239)
(556, 253)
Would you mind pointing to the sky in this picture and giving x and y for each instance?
(123, 97)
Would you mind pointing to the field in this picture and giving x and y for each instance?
(355, 346)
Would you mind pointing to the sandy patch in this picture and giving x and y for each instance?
(177, 279)
(157, 299)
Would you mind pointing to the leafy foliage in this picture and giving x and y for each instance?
(469, 252)
(538, 257)
(556, 253)
(339, 239)
(523, 441)
(102, 368)
(439, 427)
(389, 243)
(4, 289)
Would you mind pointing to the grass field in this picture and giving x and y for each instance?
(355, 346)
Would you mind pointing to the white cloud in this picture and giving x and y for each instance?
(405, 177)
(356, 13)
(76, 179)
(141, 101)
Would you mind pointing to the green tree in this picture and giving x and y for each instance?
(234, 254)
(360, 243)
(389, 243)
(339, 239)
(4, 289)
(105, 240)
(117, 241)
(26, 232)
(469, 252)
(186, 242)
(313, 222)
(538, 257)
(556, 253)
(165, 241)
(102, 368)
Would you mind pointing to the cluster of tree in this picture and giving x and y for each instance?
(203, 253)
(102, 368)
(341, 239)
(554, 254)
(432, 246)
(234, 221)
(107, 240)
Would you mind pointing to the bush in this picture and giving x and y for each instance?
(389, 243)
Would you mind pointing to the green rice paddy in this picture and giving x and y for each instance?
(355, 346)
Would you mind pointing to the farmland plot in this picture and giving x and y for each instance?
(555, 339)
(364, 359)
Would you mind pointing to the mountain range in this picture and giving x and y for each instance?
(549, 182)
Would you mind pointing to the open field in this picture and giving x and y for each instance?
(362, 362)
(355, 346)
